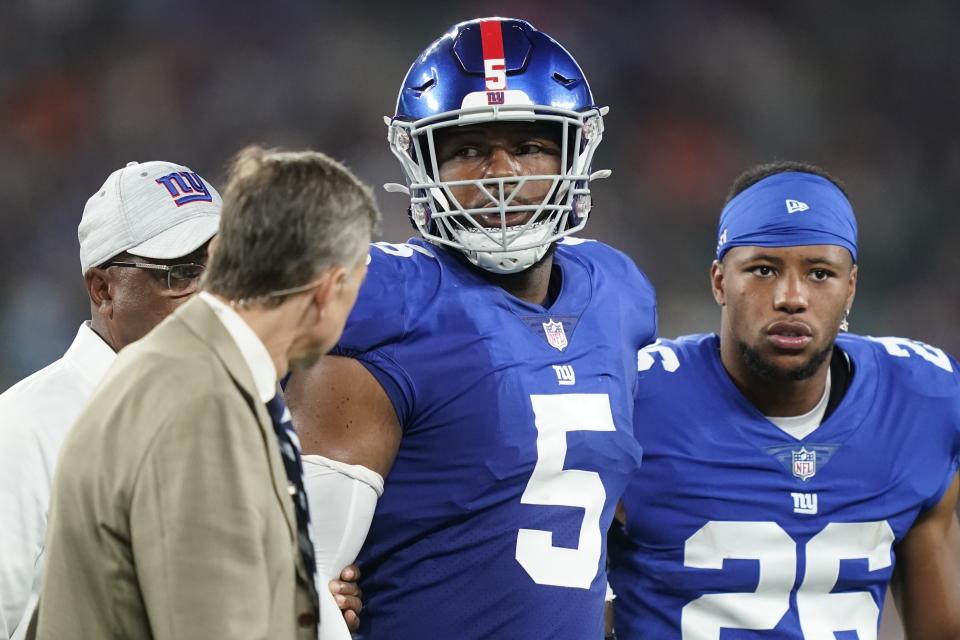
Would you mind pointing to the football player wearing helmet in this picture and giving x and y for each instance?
(488, 369)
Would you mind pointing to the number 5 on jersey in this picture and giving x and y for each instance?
(551, 484)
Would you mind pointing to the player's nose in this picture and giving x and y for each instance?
(791, 294)
(501, 164)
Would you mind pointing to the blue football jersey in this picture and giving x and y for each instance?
(737, 530)
(517, 441)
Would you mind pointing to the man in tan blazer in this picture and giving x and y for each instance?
(177, 507)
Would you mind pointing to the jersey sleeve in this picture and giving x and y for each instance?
(400, 278)
(934, 376)
(619, 270)
(644, 300)
(637, 287)
(663, 364)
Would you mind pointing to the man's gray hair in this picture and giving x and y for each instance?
(287, 217)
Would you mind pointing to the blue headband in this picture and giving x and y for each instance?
(788, 209)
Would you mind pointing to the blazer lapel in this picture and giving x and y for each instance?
(200, 318)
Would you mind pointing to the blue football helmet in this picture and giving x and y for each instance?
(496, 70)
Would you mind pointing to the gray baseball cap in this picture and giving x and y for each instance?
(153, 209)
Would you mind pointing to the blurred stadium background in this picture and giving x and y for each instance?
(699, 91)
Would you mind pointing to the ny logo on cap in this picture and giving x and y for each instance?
(185, 186)
(793, 206)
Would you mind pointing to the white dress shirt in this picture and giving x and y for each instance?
(35, 416)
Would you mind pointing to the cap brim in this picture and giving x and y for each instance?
(180, 240)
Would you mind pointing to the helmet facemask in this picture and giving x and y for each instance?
(442, 219)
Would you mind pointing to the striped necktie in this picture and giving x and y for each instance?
(293, 465)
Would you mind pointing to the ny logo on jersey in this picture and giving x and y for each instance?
(185, 186)
(804, 503)
(556, 336)
(804, 464)
(565, 374)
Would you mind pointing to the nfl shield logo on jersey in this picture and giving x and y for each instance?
(556, 336)
(804, 464)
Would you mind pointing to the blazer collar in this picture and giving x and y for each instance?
(251, 347)
(201, 319)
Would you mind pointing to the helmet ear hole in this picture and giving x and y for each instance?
(564, 81)
(423, 88)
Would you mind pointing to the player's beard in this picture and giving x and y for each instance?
(763, 368)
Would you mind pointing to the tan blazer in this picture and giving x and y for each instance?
(170, 516)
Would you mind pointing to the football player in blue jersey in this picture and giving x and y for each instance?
(488, 369)
(790, 473)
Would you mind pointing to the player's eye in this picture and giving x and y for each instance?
(763, 270)
(821, 275)
(529, 147)
(468, 152)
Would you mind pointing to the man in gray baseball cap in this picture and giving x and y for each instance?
(143, 246)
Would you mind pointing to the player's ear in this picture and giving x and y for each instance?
(97, 282)
(852, 287)
(716, 282)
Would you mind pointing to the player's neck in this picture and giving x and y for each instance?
(533, 284)
(540, 284)
(774, 396)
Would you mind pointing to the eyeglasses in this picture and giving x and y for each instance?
(181, 278)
